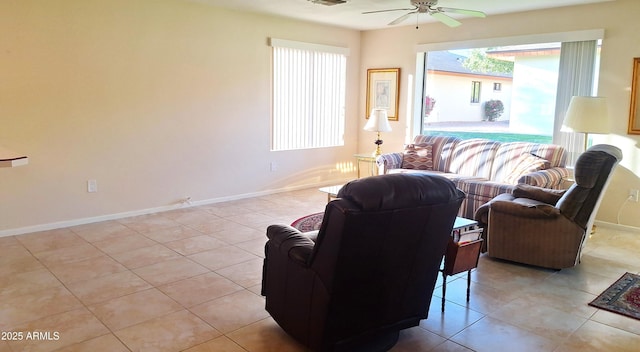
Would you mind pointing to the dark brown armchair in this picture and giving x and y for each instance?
(548, 228)
(372, 268)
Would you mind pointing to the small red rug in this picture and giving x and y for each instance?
(309, 223)
(623, 297)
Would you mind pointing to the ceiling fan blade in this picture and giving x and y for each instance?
(401, 18)
(378, 11)
(473, 13)
(445, 19)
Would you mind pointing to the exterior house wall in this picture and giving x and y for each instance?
(452, 92)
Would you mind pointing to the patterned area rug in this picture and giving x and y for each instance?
(308, 223)
(623, 297)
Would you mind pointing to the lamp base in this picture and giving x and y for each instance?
(378, 142)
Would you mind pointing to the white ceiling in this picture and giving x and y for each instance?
(350, 15)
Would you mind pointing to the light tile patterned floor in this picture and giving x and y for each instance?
(189, 280)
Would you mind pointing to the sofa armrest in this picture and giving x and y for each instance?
(291, 243)
(389, 161)
(548, 178)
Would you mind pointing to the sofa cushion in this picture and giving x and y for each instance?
(525, 164)
(474, 157)
(418, 156)
(508, 154)
(442, 147)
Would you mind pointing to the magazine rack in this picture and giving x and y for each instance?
(463, 252)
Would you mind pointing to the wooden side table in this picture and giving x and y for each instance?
(461, 255)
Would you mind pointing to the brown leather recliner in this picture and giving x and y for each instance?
(549, 228)
(372, 268)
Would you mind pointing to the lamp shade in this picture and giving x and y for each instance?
(587, 115)
(378, 121)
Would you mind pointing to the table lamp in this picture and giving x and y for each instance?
(586, 115)
(378, 122)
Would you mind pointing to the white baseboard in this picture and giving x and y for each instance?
(617, 226)
(89, 220)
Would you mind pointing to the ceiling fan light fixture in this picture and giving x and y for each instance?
(431, 8)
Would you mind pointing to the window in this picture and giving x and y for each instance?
(308, 97)
(475, 91)
(531, 79)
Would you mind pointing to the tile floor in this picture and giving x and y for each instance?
(189, 280)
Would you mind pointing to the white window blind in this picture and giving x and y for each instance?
(576, 76)
(308, 95)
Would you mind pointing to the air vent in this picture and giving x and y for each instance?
(328, 2)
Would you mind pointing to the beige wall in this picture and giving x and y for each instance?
(155, 99)
(163, 99)
(395, 47)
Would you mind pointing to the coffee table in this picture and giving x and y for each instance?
(331, 191)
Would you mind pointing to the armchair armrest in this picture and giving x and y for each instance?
(291, 243)
(547, 178)
(545, 195)
(389, 161)
(534, 210)
(482, 214)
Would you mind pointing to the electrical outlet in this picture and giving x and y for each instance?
(92, 186)
(633, 194)
(273, 166)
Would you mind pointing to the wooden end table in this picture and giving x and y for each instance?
(461, 255)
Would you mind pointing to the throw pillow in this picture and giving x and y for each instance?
(418, 157)
(526, 163)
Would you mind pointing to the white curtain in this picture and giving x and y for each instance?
(576, 76)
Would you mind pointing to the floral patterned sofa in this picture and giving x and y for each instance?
(481, 168)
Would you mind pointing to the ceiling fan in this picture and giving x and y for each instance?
(435, 11)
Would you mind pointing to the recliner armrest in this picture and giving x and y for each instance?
(525, 209)
(291, 242)
(482, 214)
(545, 195)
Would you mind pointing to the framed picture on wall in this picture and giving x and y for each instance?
(634, 110)
(383, 90)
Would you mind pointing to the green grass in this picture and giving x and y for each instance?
(496, 136)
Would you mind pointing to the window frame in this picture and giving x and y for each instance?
(476, 88)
